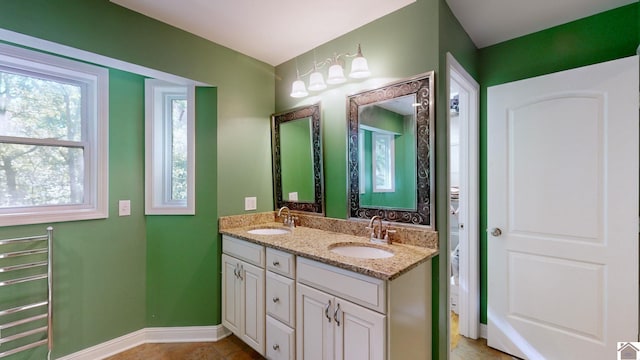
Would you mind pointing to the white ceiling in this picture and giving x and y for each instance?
(272, 31)
(489, 22)
(278, 30)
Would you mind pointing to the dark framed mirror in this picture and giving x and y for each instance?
(390, 152)
(297, 159)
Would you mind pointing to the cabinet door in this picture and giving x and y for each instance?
(359, 332)
(231, 307)
(314, 325)
(252, 331)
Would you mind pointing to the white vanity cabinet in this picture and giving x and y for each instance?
(280, 304)
(289, 307)
(243, 293)
(344, 315)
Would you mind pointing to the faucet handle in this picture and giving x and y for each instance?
(388, 232)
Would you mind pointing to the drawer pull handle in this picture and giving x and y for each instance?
(237, 271)
(276, 299)
(276, 263)
(335, 315)
(326, 311)
(240, 272)
(276, 347)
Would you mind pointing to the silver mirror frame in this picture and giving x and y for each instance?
(312, 111)
(423, 87)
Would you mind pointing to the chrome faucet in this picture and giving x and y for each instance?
(288, 219)
(381, 236)
(372, 228)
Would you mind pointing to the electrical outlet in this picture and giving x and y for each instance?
(293, 196)
(124, 207)
(250, 203)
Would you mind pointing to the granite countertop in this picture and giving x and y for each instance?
(314, 244)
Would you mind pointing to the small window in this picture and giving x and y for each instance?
(383, 162)
(53, 138)
(169, 166)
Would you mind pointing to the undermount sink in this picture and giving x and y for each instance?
(269, 231)
(362, 251)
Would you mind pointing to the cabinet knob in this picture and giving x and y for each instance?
(276, 263)
(276, 299)
(276, 347)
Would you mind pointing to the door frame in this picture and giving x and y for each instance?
(469, 261)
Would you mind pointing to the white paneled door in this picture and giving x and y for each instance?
(563, 213)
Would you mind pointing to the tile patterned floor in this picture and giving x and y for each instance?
(229, 348)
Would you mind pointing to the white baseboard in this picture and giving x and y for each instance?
(150, 335)
(186, 334)
(483, 331)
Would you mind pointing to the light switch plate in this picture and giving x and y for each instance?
(250, 203)
(124, 207)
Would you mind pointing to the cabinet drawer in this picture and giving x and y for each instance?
(280, 340)
(244, 250)
(281, 262)
(361, 289)
(280, 298)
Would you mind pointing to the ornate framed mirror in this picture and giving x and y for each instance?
(390, 152)
(297, 159)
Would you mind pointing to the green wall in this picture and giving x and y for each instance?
(606, 36)
(410, 41)
(405, 174)
(183, 252)
(122, 274)
(452, 39)
(100, 273)
(296, 159)
(375, 117)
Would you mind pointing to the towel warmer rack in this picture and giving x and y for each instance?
(27, 254)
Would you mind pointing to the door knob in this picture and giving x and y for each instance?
(496, 232)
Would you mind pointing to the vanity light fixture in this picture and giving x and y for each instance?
(335, 75)
(298, 90)
(316, 80)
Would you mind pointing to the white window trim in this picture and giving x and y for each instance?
(97, 156)
(155, 175)
(391, 167)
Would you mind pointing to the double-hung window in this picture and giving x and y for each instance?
(53, 138)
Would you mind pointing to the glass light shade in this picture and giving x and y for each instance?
(359, 68)
(316, 82)
(336, 75)
(298, 89)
